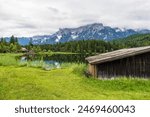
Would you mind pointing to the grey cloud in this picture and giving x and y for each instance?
(87, 21)
(26, 26)
(53, 9)
(140, 15)
(33, 17)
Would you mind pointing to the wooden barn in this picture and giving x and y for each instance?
(134, 62)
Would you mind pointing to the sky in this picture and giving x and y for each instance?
(42, 17)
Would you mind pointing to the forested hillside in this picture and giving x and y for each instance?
(88, 46)
(132, 41)
(98, 46)
(82, 46)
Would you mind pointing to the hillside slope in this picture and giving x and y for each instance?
(133, 41)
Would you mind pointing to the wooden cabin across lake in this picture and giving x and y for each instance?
(132, 62)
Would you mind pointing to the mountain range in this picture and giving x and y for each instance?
(87, 32)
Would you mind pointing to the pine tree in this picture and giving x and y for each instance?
(12, 39)
(31, 42)
(16, 40)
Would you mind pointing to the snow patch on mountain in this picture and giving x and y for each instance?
(87, 32)
(74, 36)
(58, 38)
(118, 30)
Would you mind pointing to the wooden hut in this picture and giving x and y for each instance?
(24, 50)
(134, 62)
(31, 52)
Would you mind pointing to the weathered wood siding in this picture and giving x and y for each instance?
(135, 66)
(93, 70)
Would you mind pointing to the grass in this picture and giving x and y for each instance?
(8, 59)
(66, 83)
(12, 60)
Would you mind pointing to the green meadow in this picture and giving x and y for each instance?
(30, 81)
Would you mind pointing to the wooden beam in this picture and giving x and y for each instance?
(93, 70)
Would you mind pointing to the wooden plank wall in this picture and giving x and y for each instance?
(136, 66)
(93, 70)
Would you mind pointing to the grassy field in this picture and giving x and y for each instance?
(27, 82)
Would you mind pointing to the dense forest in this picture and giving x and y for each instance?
(11, 46)
(98, 46)
(82, 46)
(132, 41)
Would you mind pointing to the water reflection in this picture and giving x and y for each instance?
(63, 58)
(53, 61)
(23, 58)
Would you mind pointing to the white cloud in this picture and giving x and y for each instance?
(35, 17)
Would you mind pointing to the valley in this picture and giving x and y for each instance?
(56, 71)
(32, 81)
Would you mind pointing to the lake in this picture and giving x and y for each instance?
(55, 60)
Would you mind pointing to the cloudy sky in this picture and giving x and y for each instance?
(38, 17)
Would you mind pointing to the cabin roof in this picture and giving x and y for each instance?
(23, 49)
(118, 54)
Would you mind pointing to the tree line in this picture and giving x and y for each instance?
(98, 46)
(82, 46)
(9, 46)
(132, 41)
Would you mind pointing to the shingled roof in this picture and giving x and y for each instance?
(118, 54)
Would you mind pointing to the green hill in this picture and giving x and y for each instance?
(132, 41)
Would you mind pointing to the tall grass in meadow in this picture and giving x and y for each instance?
(13, 60)
(77, 68)
(8, 60)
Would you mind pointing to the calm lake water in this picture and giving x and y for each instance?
(56, 60)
